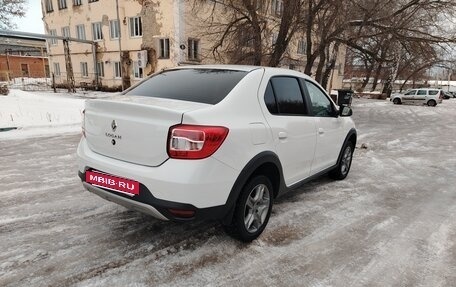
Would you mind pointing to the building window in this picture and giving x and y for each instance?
(25, 70)
(84, 69)
(97, 32)
(77, 2)
(49, 7)
(260, 6)
(53, 41)
(137, 71)
(274, 38)
(90, 1)
(62, 4)
(80, 32)
(114, 29)
(57, 69)
(302, 47)
(117, 70)
(66, 32)
(277, 7)
(164, 48)
(193, 49)
(135, 27)
(100, 69)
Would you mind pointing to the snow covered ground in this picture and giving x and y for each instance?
(41, 113)
(390, 223)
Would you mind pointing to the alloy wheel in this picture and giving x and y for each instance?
(256, 208)
(346, 160)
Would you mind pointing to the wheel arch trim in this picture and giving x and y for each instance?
(266, 157)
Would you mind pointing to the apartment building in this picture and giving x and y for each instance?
(145, 37)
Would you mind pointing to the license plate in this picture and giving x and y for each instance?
(114, 183)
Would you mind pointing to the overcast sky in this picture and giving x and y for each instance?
(32, 20)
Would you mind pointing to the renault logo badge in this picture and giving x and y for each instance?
(114, 125)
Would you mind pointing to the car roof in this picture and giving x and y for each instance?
(246, 68)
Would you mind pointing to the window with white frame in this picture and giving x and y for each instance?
(114, 29)
(62, 4)
(135, 27)
(193, 49)
(56, 69)
(80, 32)
(52, 41)
(164, 48)
(277, 7)
(100, 69)
(77, 2)
(66, 31)
(117, 70)
(84, 69)
(137, 71)
(97, 32)
(274, 38)
(49, 7)
(302, 47)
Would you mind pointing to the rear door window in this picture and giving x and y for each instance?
(288, 96)
(209, 86)
(421, 93)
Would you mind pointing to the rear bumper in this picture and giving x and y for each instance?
(128, 203)
(202, 186)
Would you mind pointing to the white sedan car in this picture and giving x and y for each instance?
(430, 97)
(213, 142)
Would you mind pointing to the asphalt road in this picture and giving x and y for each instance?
(392, 222)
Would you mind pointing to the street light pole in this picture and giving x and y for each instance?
(120, 44)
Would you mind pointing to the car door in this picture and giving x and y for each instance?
(420, 97)
(330, 128)
(293, 129)
(408, 97)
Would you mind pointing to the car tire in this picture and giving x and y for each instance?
(397, 101)
(343, 167)
(432, 103)
(252, 210)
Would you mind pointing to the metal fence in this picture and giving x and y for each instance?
(29, 84)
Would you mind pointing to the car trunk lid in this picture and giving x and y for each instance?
(133, 128)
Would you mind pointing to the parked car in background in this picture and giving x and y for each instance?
(214, 142)
(452, 94)
(446, 95)
(430, 97)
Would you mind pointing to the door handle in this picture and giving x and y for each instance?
(282, 135)
(321, 131)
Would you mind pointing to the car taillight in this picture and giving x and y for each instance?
(195, 142)
(83, 123)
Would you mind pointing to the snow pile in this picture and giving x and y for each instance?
(34, 115)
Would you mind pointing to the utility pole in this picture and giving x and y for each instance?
(120, 45)
(7, 65)
(69, 67)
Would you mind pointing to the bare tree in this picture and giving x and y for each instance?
(251, 31)
(10, 9)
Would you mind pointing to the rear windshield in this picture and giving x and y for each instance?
(208, 86)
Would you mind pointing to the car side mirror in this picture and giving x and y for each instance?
(345, 111)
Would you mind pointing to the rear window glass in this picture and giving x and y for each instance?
(208, 86)
(433, 92)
